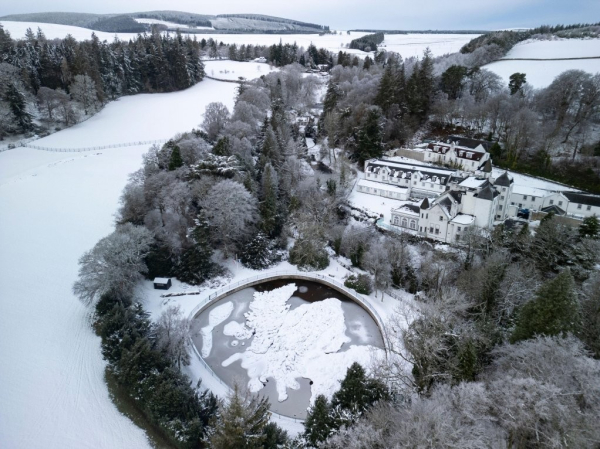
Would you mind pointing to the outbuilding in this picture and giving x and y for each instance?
(162, 283)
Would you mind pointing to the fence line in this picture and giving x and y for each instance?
(100, 147)
(19, 143)
(222, 292)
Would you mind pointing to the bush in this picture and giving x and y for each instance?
(309, 255)
(361, 283)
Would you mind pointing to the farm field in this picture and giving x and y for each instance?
(541, 73)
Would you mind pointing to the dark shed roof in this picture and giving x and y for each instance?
(583, 198)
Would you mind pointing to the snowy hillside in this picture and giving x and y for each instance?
(233, 70)
(542, 61)
(408, 45)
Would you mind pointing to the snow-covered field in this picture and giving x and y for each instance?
(144, 117)
(54, 207)
(233, 70)
(165, 23)
(542, 73)
(405, 44)
(409, 45)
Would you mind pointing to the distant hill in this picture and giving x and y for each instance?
(190, 22)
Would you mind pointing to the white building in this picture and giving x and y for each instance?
(475, 160)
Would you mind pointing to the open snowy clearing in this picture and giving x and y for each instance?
(233, 70)
(408, 45)
(144, 117)
(168, 24)
(554, 49)
(17, 30)
(541, 73)
(55, 207)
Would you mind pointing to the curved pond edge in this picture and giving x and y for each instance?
(283, 275)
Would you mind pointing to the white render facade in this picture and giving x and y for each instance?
(474, 160)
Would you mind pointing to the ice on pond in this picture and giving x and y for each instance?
(215, 317)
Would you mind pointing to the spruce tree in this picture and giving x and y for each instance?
(554, 311)
(269, 205)
(196, 261)
(358, 392)
(18, 106)
(258, 253)
(318, 423)
(242, 422)
(175, 161)
(369, 137)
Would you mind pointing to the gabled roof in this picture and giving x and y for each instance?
(583, 198)
(456, 195)
(487, 193)
(504, 180)
(425, 204)
(472, 143)
(555, 209)
(487, 167)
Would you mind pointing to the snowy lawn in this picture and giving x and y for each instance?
(55, 207)
(553, 49)
(233, 70)
(144, 117)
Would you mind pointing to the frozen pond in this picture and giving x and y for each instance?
(288, 340)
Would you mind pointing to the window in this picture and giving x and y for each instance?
(560, 203)
(589, 208)
(504, 189)
(421, 229)
(437, 229)
(579, 206)
(396, 220)
(413, 224)
(404, 223)
(459, 229)
(441, 218)
(458, 237)
(427, 216)
(368, 175)
(501, 197)
(524, 197)
(374, 190)
(422, 215)
(512, 204)
(500, 207)
(520, 205)
(551, 202)
(431, 229)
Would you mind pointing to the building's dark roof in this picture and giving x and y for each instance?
(503, 180)
(471, 143)
(555, 209)
(461, 152)
(425, 204)
(412, 208)
(487, 167)
(487, 193)
(446, 204)
(456, 195)
(583, 198)
(430, 174)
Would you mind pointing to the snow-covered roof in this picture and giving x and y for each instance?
(382, 186)
(473, 183)
(408, 209)
(463, 219)
(530, 191)
(161, 280)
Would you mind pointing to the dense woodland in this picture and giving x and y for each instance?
(501, 345)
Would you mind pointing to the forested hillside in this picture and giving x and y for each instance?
(61, 81)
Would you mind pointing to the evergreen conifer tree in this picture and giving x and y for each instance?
(590, 228)
(175, 161)
(369, 137)
(269, 205)
(318, 423)
(358, 392)
(196, 264)
(554, 310)
(18, 106)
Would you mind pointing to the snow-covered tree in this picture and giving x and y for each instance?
(231, 212)
(115, 265)
(173, 332)
(83, 90)
(215, 117)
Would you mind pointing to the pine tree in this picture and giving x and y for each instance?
(222, 147)
(331, 97)
(175, 160)
(590, 228)
(269, 205)
(258, 253)
(554, 311)
(18, 106)
(517, 80)
(369, 137)
(242, 422)
(358, 392)
(196, 262)
(318, 423)
(452, 81)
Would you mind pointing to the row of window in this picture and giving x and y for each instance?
(405, 223)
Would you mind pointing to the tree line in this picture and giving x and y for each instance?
(64, 77)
